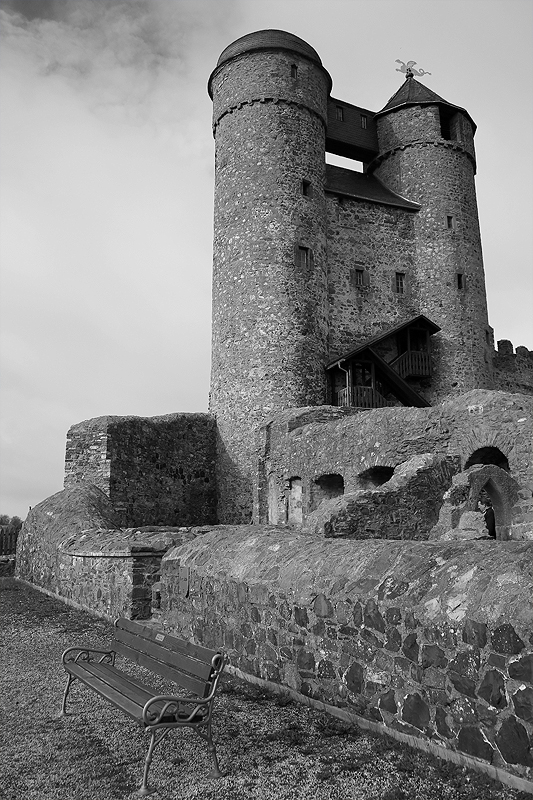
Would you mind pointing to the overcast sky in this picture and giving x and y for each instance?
(107, 183)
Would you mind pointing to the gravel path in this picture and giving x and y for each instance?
(268, 749)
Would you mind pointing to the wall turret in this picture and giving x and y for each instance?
(427, 154)
(269, 342)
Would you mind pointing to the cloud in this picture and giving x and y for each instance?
(120, 53)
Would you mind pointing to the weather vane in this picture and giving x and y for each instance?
(409, 69)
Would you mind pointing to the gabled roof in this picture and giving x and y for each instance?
(364, 187)
(419, 322)
(414, 93)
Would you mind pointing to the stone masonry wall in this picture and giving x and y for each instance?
(434, 640)
(292, 444)
(269, 299)
(71, 546)
(379, 240)
(155, 470)
(418, 163)
(405, 507)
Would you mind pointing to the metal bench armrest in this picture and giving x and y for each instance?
(82, 653)
(170, 706)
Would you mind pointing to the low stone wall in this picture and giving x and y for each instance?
(431, 639)
(71, 546)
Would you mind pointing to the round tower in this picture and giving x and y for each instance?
(269, 93)
(427, 154)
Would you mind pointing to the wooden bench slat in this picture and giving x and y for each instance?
(170, 642)
(108, 692)
(182, 663)
(137, 692)
(194, 685)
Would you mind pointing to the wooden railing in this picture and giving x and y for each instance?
(415, 363)
(362, 397)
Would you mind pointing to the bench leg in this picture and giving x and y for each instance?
(154, 741)
(215, 772)
(65, 695)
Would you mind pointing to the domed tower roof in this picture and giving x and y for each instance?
(414, 93)
(268, 40)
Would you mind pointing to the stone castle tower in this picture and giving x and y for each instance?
(333, 286)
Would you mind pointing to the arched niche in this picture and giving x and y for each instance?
(374, 477)
(326, 487)
(488, 455)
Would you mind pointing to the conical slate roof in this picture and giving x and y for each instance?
(414, 93)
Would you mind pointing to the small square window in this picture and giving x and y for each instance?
(303, 256)
(294, 71)
(460, 280)
(339, 113)
(450, 222)
(400, 283)
(364, 121)
(307, 189)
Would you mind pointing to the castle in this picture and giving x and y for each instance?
(358, 412)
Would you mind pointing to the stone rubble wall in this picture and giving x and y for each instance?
(71, 546)
(155, 470)
(434, 640)
(405, 507)
(309, 443)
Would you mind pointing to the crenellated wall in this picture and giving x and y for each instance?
(429, 639)
(513, 370)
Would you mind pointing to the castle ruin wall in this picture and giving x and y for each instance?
(155, 470)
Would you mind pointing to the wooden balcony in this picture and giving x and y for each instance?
(362, 397)
(413, 364)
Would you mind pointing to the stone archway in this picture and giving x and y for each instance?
(488, 455)
(460, 505)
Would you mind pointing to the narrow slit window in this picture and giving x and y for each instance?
(306, 188)
(294, 71)
(364, 121)
(339, 113)
(400, 283)
(450, 222)
(303, 256)
(460, 280)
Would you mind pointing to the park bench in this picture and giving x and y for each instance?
(195, 669)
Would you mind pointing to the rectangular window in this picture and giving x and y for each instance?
(306, 188)
(450, 222)
(460, 280)
(364, 121)
(399, 283)
(294, 71)
(339, 113)
(359, 277)
(303, 256)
